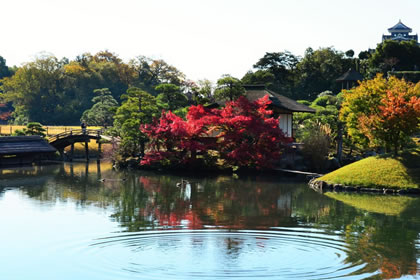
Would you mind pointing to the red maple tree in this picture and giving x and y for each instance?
(243, 134)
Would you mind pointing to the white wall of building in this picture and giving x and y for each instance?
(285, 124)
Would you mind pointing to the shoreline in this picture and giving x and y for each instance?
(322, 187)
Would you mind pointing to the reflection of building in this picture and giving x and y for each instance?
(281, 106)
(400, 32)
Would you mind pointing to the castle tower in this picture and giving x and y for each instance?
(400, 32)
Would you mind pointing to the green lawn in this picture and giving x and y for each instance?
(380, 171)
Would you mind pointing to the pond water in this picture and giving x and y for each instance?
(78, 221)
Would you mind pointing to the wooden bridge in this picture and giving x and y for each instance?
(27, 149)
(68, 138)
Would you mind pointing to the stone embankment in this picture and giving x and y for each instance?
(322, 186)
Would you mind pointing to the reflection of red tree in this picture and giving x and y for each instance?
(149, 185)
(189, 220)
(229, 207)
(194, 221)
(391, 269)
(179, 215)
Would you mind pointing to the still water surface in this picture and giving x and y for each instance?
(78, 221)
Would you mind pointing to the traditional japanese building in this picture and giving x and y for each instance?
(281, 105)
(350, 79)
(400, 32)
(24, 150)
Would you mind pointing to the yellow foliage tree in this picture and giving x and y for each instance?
(365, 101)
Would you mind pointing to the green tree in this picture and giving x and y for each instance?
(103, 109)
(170, 97)
(277, 63)
(49, 87)
(260, 77)
(36, 91)
(318, 71)
(89, 72)
(205, 91)
(275, 70)
(392, 55)
(153, 72)
(138, 107)
(324, 123)
(200, 92)
(228, 88)
(349, 53)
(4, 70)
(5, 108)
(32, 128)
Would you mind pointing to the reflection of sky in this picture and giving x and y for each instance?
(35, 234)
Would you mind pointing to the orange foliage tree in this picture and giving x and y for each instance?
(381, 112)
(396, 119)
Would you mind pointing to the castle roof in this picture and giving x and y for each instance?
(401, 27)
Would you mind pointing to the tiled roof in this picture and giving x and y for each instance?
(23, 145)
(400, 27)
(253, 93)
(351, 75)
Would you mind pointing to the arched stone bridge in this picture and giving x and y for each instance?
(68, 138)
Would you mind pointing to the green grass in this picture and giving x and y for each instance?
(380, 171)
(383, 204)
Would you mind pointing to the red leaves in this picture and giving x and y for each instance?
(5, 115)
(245, 132)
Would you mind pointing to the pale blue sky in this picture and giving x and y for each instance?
(202, 38)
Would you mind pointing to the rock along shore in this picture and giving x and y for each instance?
(322, 186)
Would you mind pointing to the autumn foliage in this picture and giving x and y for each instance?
(398, 118)
(382, 112)
(242, 134)
(5, 113)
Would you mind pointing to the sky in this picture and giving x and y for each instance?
(202, 38)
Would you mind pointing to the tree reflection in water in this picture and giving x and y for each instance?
(143, 201)
(223, 202)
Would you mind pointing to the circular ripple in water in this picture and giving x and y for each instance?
(215, 254)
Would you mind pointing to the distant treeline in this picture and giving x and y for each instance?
(58, 91)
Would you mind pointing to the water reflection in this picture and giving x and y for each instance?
(355, 235)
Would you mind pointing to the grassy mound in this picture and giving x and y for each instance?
(380, 171)
(388, 205)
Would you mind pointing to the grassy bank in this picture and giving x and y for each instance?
(380, 171)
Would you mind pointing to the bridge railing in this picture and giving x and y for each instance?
(76, 132)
